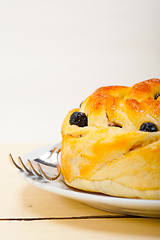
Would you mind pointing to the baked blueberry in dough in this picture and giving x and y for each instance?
(78, 118)
(111, 144)
(148, 127)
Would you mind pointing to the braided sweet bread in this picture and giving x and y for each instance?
(111, 144)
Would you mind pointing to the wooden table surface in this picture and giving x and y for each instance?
(27, 212)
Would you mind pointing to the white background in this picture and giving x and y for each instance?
(54, 53)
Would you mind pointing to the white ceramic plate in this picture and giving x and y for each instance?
(137, 207)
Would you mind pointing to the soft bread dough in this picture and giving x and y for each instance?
(122, 162)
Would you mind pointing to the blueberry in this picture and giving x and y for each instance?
(156, 96)
(148, 127)
(79, 119)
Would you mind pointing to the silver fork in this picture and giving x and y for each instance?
(43, 166)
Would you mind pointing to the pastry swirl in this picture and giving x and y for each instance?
(112, 154)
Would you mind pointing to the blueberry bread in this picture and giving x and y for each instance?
(111, 144)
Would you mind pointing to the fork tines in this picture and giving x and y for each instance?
(37, 170)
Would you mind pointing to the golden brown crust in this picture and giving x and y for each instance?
(125, 156)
